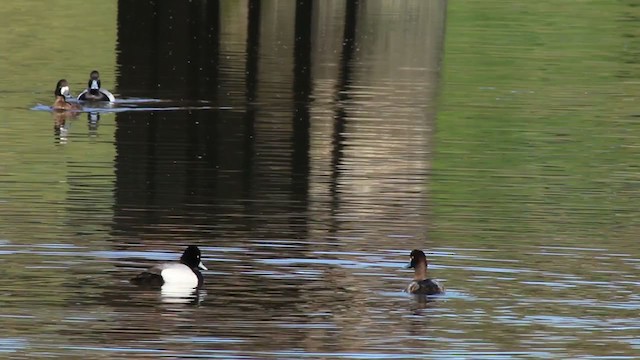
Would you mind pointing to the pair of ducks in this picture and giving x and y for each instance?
(186, 273)
(93, 92)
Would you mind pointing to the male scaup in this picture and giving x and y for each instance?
(421, 284)
(176, 274)
(61, 93)
(94, 91)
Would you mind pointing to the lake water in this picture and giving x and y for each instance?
(307, 149)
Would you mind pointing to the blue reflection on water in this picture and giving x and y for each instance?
(8, 345)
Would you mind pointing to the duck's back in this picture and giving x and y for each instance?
(183, 274)
(102, 95)
(148, 279)
(425, 287)
(170, 274)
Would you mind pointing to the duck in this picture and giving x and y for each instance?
(94, 91)
(61, 93)
(182, 274)
(421, 284)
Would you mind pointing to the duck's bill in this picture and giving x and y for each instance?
(409, 265)
(201, 266)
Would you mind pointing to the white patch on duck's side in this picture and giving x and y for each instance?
(415, 286)
(104, 92)
(178, 275)
(108, 94)
(412, 287)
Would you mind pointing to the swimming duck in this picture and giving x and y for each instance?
(175, 274)
(421, 284)
(61, 93)
(94, 92)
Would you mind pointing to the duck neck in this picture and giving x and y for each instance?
(420, 272)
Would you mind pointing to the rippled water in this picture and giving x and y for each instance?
(306, 162)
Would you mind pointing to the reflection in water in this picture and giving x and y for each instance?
(181, 295)
(302, 88)
(62, 124)
(93, 120)
(342, 99)
(319, 146)
(168, 50)
(61, 120)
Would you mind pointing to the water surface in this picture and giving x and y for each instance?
(306, 150)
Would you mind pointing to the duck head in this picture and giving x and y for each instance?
(62, 88)
(94, 83)
(417, 258)
(191, 258)
(419, 264)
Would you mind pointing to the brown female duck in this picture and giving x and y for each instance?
(421, 284)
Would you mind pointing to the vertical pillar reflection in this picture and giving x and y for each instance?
(167, 50)
(342, 95)
(302, 83)
(252, 52)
